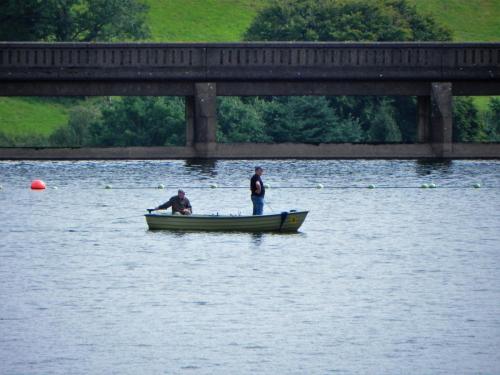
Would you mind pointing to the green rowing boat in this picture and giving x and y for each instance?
(284, 222)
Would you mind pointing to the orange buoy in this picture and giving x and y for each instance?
(37, 185)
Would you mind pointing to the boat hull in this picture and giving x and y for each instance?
(290, 222)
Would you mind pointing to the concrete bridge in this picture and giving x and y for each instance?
(433, 72)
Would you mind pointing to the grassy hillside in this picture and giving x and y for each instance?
(201, 20)
(227, 20)
(35, 116)
(470, 20)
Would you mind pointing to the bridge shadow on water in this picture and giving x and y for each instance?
(429, 166)
(207, 167)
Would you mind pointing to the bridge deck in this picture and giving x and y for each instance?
(267, 61)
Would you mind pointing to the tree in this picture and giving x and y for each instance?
(127, 121)
(347, 20)
(383, 126)
(141, 121)
(466, 124)
(239, 122)
(73, 20)
(493, 120)
(308, 120)
(22, 20)
(78, 130)
(354, 20)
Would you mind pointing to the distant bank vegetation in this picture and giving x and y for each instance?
(160, 121)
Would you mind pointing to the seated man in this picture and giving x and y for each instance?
(179, 203)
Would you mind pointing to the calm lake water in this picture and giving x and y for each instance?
(390, 280)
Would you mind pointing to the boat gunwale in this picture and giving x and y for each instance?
(224, 217)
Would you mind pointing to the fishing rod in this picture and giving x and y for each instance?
(267, 204)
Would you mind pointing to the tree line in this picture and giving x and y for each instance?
(156, 121)
(160, 121)
(73, 20)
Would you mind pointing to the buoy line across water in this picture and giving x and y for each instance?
(40, 185)
(317, 187)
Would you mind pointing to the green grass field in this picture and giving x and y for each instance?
(470, 20)
(36, 116)
(201, 20)
(226, 21)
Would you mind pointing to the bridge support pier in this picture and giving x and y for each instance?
(423, 119)
(441, 118)
(201, 118)
(189, 103)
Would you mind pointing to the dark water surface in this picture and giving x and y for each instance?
(389, 280)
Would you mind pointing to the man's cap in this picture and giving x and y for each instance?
(181, 191)
(258, 167)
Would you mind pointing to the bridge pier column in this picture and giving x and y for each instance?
(189, 103)
(423, 119)
(441, 118)
(201, 118)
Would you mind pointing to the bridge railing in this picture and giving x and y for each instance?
(250, 61)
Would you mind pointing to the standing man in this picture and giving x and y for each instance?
(179, 203)
(258, 191)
